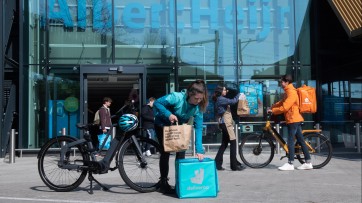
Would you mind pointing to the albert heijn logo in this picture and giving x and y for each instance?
(137, 15)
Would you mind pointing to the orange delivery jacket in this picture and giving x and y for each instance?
(289, 105)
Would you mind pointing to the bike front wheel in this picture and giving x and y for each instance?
(321, 152)
(256, 150)
(141, 172)
(55, 177)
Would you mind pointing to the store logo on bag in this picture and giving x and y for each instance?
(199, 176)
(198, 179)
(307, 101)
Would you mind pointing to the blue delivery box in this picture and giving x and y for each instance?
(196, 179)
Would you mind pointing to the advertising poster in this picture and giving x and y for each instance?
(254, 96)
(64, 119)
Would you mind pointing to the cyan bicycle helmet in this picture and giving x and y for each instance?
(128, 122)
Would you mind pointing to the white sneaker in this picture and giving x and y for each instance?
(147, 153)
(286, 167)
(305, 166)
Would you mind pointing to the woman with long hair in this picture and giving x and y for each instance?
(225, 120)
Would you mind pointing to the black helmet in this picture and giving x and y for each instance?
(128, 122)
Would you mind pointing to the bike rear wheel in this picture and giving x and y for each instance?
(140, 176)
(256, 150)
(56, 178)
(322, 150)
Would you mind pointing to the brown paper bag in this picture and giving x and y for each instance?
(243, 108)
(176, 137)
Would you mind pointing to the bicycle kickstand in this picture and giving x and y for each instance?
(91, 179)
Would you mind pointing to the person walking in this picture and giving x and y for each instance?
(148, 121)
(225, 120)
(180, 107)
(289, 105)
(105, 122)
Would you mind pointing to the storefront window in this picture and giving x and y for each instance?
(63, 101)
(249, 44)
(205, 32)
(79, 31)
(34, 118)
(302, 30)
(266, 31)
(144, 32)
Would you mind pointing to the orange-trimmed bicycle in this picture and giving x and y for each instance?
(257, 149)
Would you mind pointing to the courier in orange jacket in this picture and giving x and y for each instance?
(289, 105)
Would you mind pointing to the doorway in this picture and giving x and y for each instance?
(119, 82)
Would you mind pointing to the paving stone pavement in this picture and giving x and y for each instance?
(339, 181)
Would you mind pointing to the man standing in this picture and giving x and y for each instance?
(105, 123)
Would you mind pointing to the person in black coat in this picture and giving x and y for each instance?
(148, 120)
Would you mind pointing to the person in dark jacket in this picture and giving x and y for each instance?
(105, 115)
(148, 120)
(105, 122)
(224, 117)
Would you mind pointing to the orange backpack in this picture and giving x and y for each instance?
(307, 99)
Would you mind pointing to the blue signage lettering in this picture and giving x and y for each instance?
(102, 16)
(252, 16)
(179, 8)
(134, 12)
(134, 15)
(197, 13)
(82, 14)
(63, 14)
(266, 21)
(229, 18)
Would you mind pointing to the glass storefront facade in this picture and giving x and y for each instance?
(248, 44)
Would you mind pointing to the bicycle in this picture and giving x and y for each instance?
(64, 162)
(257, 149)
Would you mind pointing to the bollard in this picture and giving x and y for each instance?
(12, 147)
(64, 133)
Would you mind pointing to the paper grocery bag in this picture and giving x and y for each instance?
(243, 106)
(176, 137)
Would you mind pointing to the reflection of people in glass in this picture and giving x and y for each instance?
(223, 113)
(289, 105)
(180, 107)
(148, 121)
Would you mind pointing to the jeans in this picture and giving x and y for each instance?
(151, 134)
(296, 129)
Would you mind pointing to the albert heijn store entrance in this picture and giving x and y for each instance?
(85, 50)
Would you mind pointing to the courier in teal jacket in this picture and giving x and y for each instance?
(180, 107)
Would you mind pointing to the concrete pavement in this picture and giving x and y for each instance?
(339, 181)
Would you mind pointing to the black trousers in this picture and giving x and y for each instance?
(165, 156)
(224, 144)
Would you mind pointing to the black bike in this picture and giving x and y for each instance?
(64, 161)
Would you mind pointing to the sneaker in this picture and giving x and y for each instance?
(305, 166)
(147, 153)
(286, 167)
